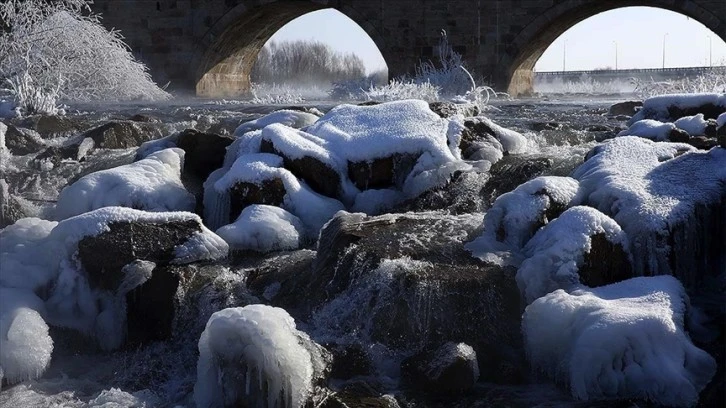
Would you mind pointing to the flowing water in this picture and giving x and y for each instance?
(163, 373)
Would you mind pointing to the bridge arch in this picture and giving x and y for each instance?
(228, 50)
(534, 38)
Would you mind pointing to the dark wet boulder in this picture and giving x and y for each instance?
(280, 279)
(606, 262)
(361, 394)
(349, 360)
(370, 103)
(244, 194)
(140, 117)
(54, 155)
(678, 136)
(307, 109)
(462, 195)
(540, 126)
(137, 259)
(407, 282)
(52, 126)
(318, 175)
(449, 109)
(383, 172)
(703, 142)
(627, 108)
(508, 173)
(122, 134)
(21, 141)
(711, 129)
(204, 152)
(11, 208)
(450, 369)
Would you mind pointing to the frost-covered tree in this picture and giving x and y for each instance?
(58, 51)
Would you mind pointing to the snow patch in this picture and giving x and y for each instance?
(649, 129)
(263, 228)
(694, 125)
(291, 118)
(620, 341)
(151, 184)
(657, 106)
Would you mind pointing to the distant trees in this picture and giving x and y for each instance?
(305, 62)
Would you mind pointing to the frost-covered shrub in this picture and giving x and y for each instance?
(432, 81)
(53, 52)
(711, 81)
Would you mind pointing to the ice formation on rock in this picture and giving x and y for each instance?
(621, 341)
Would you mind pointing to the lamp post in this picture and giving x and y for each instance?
(564, 57)
(664, 42)
(710, 52)
(616, 54)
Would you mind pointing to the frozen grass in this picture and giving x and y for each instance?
(709, 82)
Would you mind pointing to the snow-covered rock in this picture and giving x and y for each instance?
(290, 118)
(517, 215)
(628, 108)
(581, 246)
(151, 184)
(652, 194)
(256, 169)
(655, 130)
(80, 265)
(263, 228)
(622, 341)
(668, 108)
(480, 127)
(695, 125)
(255, 356)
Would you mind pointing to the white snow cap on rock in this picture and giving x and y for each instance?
(646, 189)
(649, 129)
(721, 120)
(312, 208)
(151, 184)
(242, 349)
(558, 249)
(620, 341)
(291, 118)
(362, 133)
(263, 228)
(657, 106)
(41, 255)
(512, 219)
(512, 141)
(694, 125)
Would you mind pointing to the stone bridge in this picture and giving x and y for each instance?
(210, 46)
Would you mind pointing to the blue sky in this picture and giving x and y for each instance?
(638, 32)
